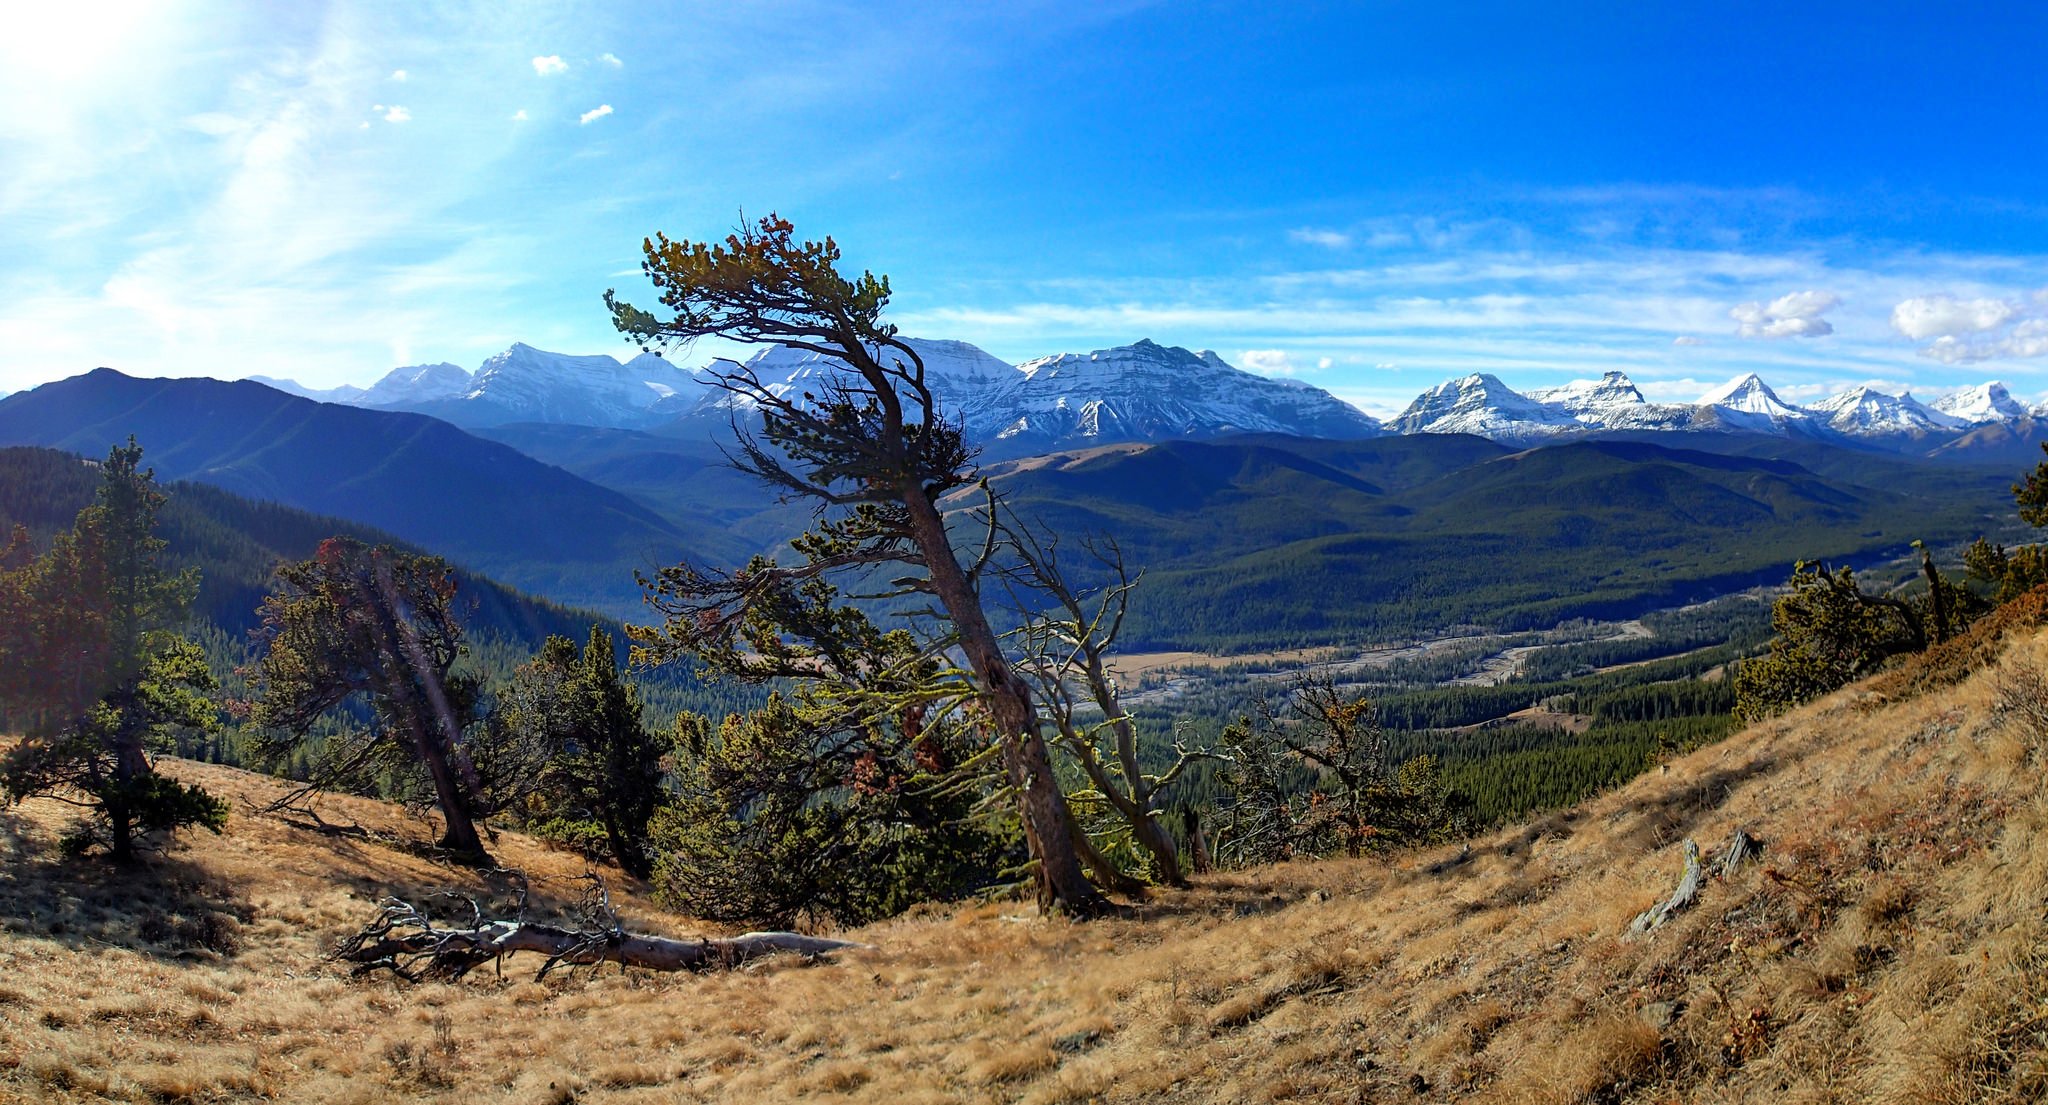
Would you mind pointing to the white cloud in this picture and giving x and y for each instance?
(1794, 315)
(1267, 362)
(2028, 339)
(1277, 362)
(594, 114)
(519, 116)
(397, 115)
(1930, 316)
(550, 65)
(1688, 339)
(1387, 366)
(1966, 331)
(1329, 239)
(611, 60)
(398, 74)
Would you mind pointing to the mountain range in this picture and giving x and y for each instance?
(1479, 505)
(1150, 392)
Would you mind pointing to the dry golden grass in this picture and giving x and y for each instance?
(1891, 946)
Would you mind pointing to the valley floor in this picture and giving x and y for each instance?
(1891, 946)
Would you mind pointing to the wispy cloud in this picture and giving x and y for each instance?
(611, 60)
(397, 114)
(398, 75)
(550, 65)
(594, 114)
(1280, 362)
(1329, 239)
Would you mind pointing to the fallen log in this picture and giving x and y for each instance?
(407, 942)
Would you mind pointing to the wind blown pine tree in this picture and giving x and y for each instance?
(94, 671)
(872, 444)
(376, 626)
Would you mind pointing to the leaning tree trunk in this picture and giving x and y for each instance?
(461, 837)
(1061, 882)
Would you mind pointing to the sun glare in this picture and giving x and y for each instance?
(73, 41)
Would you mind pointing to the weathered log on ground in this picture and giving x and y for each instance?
(1682, 898)
(407, 942)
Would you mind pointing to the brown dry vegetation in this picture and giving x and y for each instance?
(1892, 946)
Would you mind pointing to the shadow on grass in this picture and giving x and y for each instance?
(160, 905)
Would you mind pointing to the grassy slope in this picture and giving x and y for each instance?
(1891, 948)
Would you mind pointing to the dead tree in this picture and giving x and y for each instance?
(405, 940)
(1063, 650)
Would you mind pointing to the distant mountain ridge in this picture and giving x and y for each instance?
(480, 503)
(1146, 391)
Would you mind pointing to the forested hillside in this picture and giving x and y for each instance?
(236, 544)
(486, 506)
(1274, 543)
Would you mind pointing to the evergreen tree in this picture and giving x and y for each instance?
(1830, 633)
(372, 625)
(852, 797)
(606, 766)
(2006, 573)
(96, 673)
(871, 444)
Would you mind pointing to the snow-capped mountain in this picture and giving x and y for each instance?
(421, 383)
(346, 393)
(1988, 402)
(1865, 411)
(1142, 392)
(524, 384)
(1747, 403)
(1480, 404)
(1145, 392)
(1613, 403)
(955, 370)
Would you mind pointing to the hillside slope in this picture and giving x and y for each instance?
(1890, 947)
(479, 503)
(1272, 542)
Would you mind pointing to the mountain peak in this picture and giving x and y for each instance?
(1987, 402)
(1480, 404)
(1748, 394)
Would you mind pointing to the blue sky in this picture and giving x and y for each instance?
(1371, 197)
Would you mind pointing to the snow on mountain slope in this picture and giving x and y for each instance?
(524, 384)
(1146, 391)
(1750, 395)
(1865, 411)
(1613, 403)
(1135, 393)
(1987, 402)
(1747, 403)
(422, 383)
(1480, 404)
(346, 393)
(532, 385)
(955, 370)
